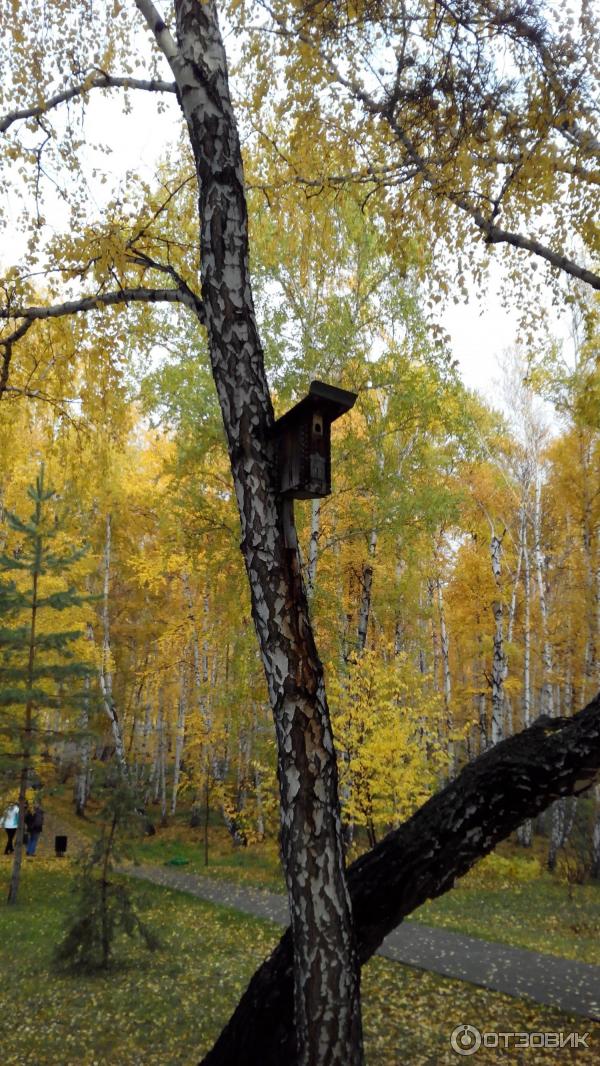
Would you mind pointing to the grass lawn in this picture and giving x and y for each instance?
(166, 1008)
(538, 915)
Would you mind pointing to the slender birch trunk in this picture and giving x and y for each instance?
(105, 675)
(481, 700)
(313, 547)
(435, 644)
(82, 775)
(447, 680)
(499, 659)
(161, 788)
(146, 733)
(364, 612)
(546, 701)
(327, 996)
(525, 831)
(180, 735)
(215, 768)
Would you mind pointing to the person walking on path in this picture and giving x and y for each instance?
(34, 827)
(10, 822)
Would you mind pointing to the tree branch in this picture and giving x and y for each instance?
(162, 35)
(494, 234)
(99, 81)
(384, 109)
(28, 315)
(183, 295)
(491, 797)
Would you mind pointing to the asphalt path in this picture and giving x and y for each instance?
(570, 986)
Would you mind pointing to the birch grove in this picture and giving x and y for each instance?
(174, 321)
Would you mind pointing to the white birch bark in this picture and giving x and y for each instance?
(105, 674)
(327, 1000)
(257, 782)
(447, 679)
(313, 547)
(435, 651)
(364, 612)
(180, 733)
(83, 776)
(215, 768)
(498, 660)
(525, 831)
(546, 701)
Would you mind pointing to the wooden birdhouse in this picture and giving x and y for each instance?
(303, 436)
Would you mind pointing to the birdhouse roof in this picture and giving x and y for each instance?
(329, 399)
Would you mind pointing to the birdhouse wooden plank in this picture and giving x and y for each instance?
(303, 436)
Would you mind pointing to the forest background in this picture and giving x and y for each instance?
(453, 575)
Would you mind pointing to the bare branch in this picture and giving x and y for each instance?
(7, 344)
(99, 81)
(28, 315)
(494, 234)
(182, 295)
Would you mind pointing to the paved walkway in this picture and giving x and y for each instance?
(573, 987)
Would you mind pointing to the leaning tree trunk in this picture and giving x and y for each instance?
(327, 998)
(313, 547)
(514, 780)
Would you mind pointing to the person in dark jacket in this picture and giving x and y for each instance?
(34, 828)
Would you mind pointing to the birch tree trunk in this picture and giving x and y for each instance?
(326, 975)
(180, 735)
(525, 831)
(105, 666)
(313, 547)
(546, 701)
(591, 575)
(82, 777)
(447, 682)
(162, 763)
(215, 767)
(499, 659)
(364, 612)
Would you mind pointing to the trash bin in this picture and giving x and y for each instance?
(60, 846)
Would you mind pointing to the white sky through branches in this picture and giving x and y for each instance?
(480, 330)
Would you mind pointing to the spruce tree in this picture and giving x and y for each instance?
(38, 670)
(103, 905)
